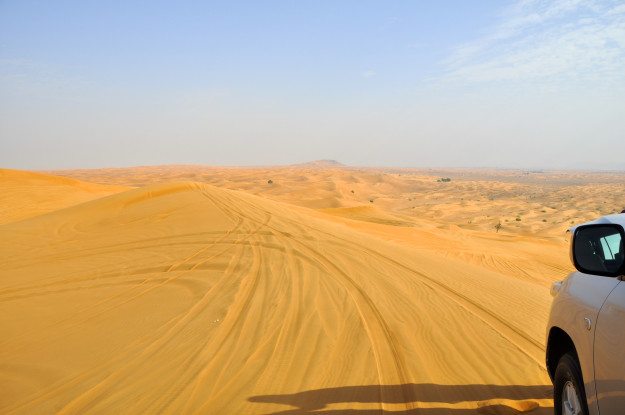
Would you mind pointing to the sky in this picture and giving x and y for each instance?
(510, 84)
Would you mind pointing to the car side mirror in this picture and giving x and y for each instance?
(599, 249)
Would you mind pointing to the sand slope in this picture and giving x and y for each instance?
(187, 298)
(26, 194)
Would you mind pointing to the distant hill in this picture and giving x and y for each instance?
(321, 164)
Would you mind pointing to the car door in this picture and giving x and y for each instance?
(609, 354)
(598, 256)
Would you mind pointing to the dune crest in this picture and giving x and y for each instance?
(26, 194)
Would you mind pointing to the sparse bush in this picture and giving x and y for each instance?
(444, 180)
(498, 226)
(270, 181)
(518, 219)
(352, 191)
(370, 200)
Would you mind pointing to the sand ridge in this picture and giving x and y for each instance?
(26, 194)
(184, 297)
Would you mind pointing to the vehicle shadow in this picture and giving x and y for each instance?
(437, 399)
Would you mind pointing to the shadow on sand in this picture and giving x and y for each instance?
(440, 399)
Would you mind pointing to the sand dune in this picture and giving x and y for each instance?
(525, 203)
(26, 194)
(187, 298)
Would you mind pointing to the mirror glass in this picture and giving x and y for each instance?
(598, 249)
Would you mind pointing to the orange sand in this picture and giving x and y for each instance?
(292, 297)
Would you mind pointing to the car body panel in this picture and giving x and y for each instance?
(590, 309)
(581, 296)
(609, 353)
(616, 219)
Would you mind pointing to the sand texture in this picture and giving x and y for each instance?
(212, 291)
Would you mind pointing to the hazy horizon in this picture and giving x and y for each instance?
(608, 169)
(496, 84)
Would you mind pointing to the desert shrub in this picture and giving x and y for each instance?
(444, 180)
(270, 181)
(518, 219)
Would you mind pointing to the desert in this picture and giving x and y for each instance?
(312, 207)
(311, 288)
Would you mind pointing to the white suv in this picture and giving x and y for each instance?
(586, 330)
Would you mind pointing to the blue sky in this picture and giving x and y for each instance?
(528, 84)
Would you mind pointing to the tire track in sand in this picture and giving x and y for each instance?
(159, 339)
(381, 337)
(515, 336)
